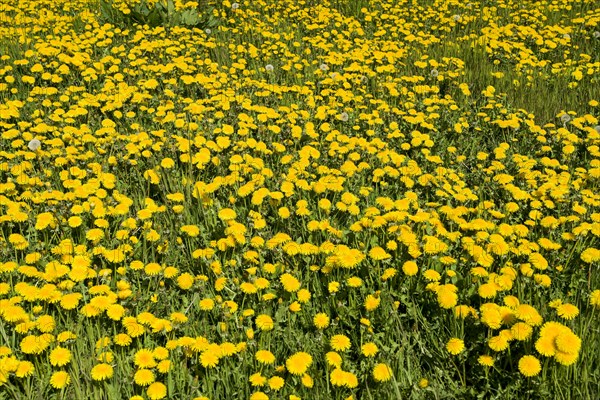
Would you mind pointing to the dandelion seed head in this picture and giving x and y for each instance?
(34, 144)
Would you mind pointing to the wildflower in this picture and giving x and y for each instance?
(369, 349)
(257, 379)
(156, 391)
(595, 298)
(455, 346)
(264, 322)
(34, 145)
(276, 383)
(144, 358)
(60, 380)
(333, 359)
(382, 372)
(264, 357)
(372, 302)
(567, 311)
(529, 366)
(60, 356)
(340, 343)
(209, 359)
(298, 363)
(485, 360)
(24, 369)
(102, 372)
(498, 343)
(143, 377)
(410, 268)
(521, 331)
(289, 282)
(269, 67)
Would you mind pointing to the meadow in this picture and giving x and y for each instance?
(299, 199)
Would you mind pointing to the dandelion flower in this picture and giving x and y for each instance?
(455, 346)
(102, 372)
(276, 383)
(372, 302)
(144, 358)
(333, 359)
(264, 357)
(498, 343)
(521, 331)
(369, 349)
(382, 373)
(410, 268)
(567, 311)
(529, 366)
(485, 360)
(156, 391)
(289, 282)
(337, 377)
(264, 322)
(298, 363)
(340, 343)
(143, 377)
(60, 356)
(60, 379)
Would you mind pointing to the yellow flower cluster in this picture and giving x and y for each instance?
(289, 199)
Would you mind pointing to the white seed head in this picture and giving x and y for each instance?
(344, 116)
(565, 118)
(323, 67)
(34, 144)
(269, 67)
(235, 6)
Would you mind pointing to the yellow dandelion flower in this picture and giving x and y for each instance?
(264, 322)
(369, 349)
(298, 363)
(156, 391)
(102, 372)
(60, 356)
(485, 360)
(60, 380)
(382, 372)
(455, 346)
(143, 377)
(340, 343)
(529, 366)
(264, 357)
(567, 311)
